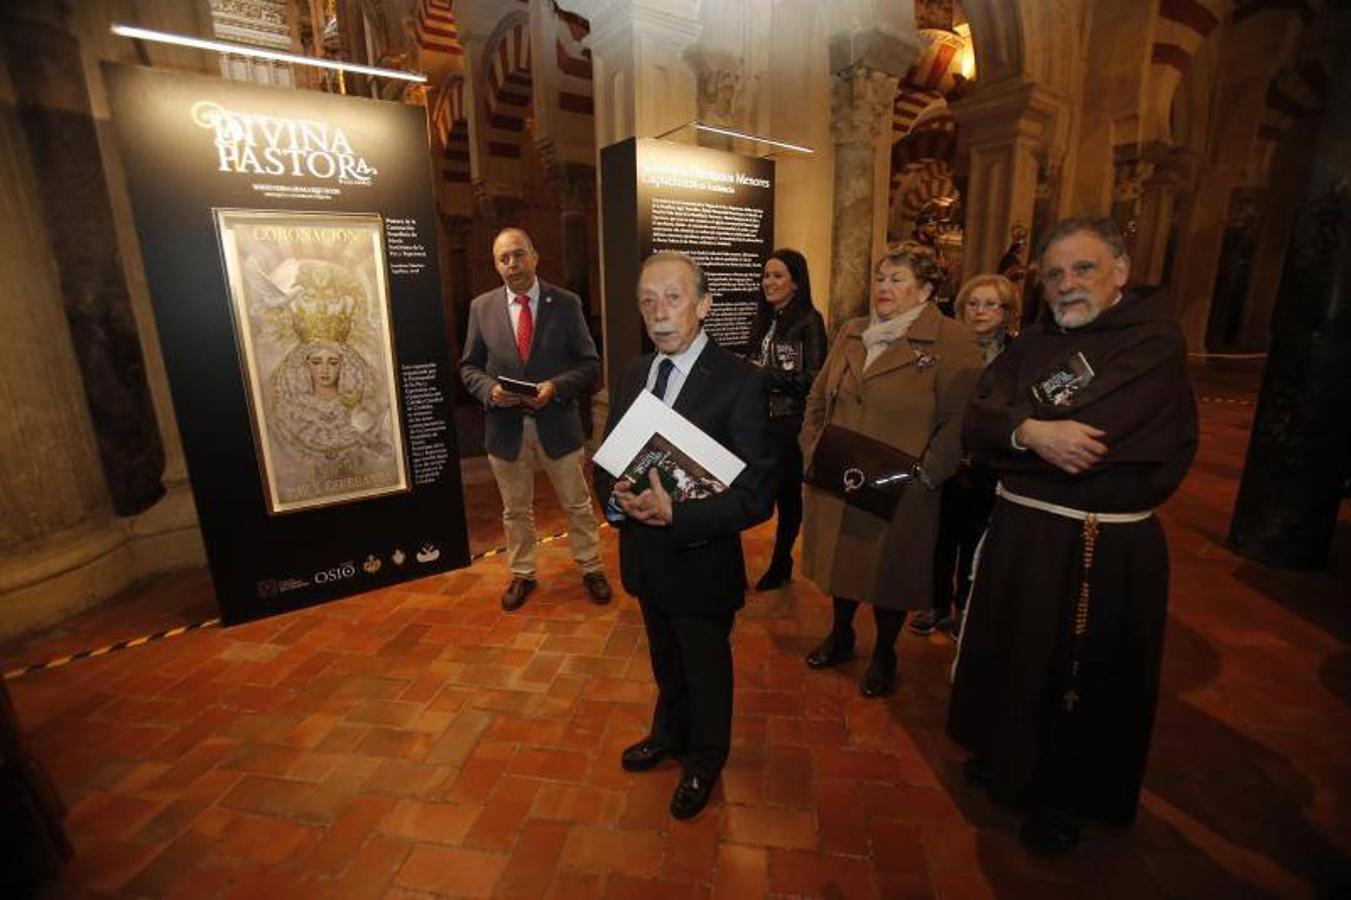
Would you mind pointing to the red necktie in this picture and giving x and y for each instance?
(525, 328)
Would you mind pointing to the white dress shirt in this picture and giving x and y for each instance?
(683, 363)
(514, 308)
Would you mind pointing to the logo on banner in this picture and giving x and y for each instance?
(256, 144)
(337, 573)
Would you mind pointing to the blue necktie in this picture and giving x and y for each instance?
(664, 369)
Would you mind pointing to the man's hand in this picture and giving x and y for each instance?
(652, 507)
(1066, 444)
(500, 396)
(541, 400)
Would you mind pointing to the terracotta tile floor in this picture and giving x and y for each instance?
(417, 742)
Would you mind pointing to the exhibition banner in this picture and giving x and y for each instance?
(289, 242)
(716, 206)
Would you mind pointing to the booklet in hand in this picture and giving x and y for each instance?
(1060, 387)
(690, 464)
(516, 386)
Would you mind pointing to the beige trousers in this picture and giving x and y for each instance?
(516, 482)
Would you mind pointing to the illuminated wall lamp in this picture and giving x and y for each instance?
(183, 40)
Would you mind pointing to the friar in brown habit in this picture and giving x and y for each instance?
(1089, 421)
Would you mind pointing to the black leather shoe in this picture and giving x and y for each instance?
(776, 576)
(691, 795)
(517, 591)
(644, 755)
(597, 587)
(880, 679)
(1049, 832)
(831, 652)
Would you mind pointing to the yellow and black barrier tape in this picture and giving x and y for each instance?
(60, 661)
(110, 648)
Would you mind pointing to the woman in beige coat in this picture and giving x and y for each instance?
(901, 375)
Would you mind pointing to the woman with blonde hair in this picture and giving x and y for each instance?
(989, 304)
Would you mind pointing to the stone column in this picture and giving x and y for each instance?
(1128, 180)
(1008, 131)
(1298, 457)
(860, 111)
(52, 103)
(1233, 276)
(643, 86)
(866, 65)
(59, 542)
(576, 189)
(1171, 174)
(720, 95)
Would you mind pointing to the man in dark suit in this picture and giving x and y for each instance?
(683, 560)
(533, 331)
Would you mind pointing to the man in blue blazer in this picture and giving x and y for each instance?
(683, 560)
(533, 331)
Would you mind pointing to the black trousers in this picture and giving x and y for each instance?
(783, 432)
(963, 514)
(692, 664)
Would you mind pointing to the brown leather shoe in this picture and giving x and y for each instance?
(517, 591)
(597, 587)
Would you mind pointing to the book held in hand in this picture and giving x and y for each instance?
(516, 386)
(682, 477)
(690, 464)
(1060, 387)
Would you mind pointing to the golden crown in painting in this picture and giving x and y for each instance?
(323, 302)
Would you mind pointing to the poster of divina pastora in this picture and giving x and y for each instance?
(289, 240)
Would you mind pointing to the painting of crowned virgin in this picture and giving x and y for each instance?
(311, 313)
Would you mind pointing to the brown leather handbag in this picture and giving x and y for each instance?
(862, 471)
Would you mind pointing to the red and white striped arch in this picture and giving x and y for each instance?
(435, 29)
(509, 93)
(450, 120)
(929, 80)
(928, 182)
(574, 65)
(926, 155)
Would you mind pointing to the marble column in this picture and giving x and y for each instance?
(1298, 457)
(1009, 132)
(861, 98)
(52, 104)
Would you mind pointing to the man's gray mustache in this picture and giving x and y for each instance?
(1076, 297)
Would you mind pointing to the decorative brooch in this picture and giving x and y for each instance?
(925, 360)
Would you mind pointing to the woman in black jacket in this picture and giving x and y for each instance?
(788, 341)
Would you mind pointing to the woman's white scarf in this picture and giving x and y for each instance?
(882, 333)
